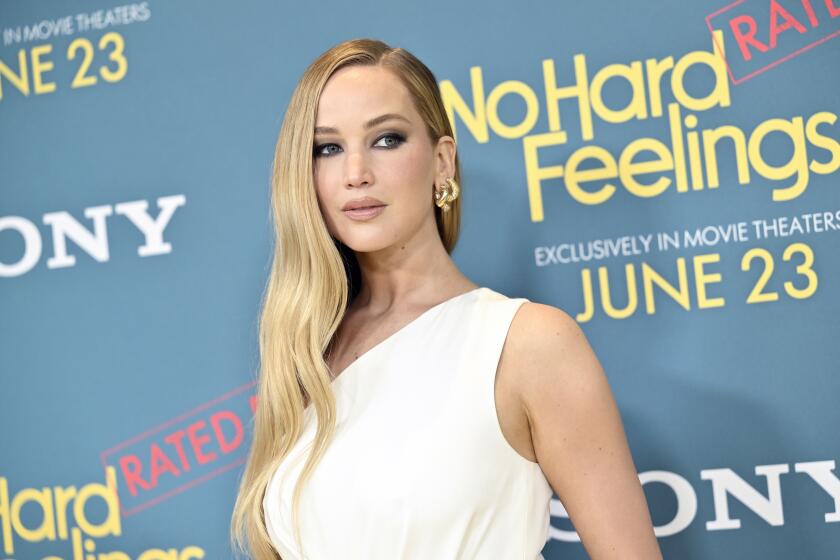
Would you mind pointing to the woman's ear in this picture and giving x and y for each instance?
(445, 151)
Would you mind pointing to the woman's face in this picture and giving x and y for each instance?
(357, 154)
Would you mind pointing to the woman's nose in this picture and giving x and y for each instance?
(357, 169)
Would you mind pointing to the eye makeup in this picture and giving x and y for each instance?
(399, 139)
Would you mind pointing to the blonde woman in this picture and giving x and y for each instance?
(405, 412)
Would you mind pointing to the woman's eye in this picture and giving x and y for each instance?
(392, 140)
(319, 150)
(397, 140)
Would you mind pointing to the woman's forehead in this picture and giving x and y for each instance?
(354, 95)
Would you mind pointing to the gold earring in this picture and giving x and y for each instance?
(447, 194)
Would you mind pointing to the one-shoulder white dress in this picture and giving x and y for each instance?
(419, 468)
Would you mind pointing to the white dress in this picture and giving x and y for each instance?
(419, 468)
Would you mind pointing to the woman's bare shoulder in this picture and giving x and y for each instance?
(539, 326)
(547, 347)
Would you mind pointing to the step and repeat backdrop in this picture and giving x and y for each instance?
(665, 172)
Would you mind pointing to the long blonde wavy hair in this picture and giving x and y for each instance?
(313, 279)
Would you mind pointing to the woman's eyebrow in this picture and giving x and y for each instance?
(370, 124)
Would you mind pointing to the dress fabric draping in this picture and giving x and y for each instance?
(419, 468)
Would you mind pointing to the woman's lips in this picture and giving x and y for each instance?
(362, 214)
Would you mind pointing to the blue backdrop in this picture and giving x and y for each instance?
(680, 199)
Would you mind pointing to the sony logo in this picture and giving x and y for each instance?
(725, 483)
(64, 226)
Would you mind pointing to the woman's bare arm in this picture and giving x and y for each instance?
(578, 436)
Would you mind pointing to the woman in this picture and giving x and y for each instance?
(404, 411)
